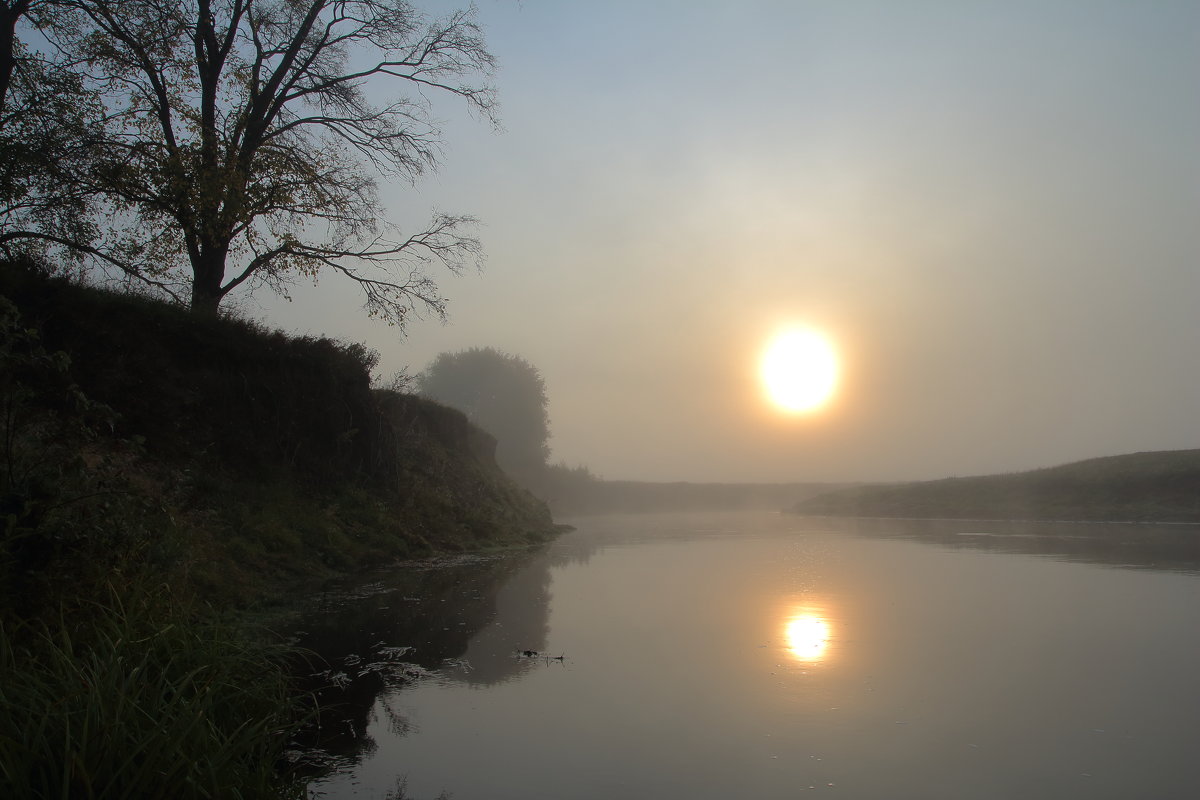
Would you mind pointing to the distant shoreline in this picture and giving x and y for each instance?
(622, 496)
(1014, 520)
(1149, 487)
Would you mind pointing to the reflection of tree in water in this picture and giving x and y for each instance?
(1131, 545)
(460, 620)
(522, 615)
(407, 623)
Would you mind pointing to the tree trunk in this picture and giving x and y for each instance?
(10, 14)
(208, 270)
(204, 302)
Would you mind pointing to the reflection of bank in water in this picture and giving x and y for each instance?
(425, 620)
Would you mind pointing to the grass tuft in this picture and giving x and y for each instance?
(138, 698)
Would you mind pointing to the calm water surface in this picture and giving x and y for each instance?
(767, 656)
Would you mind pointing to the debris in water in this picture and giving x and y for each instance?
(536, 654)
(394, 652)
(413, 672)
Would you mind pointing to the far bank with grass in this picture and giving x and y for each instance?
(1160, 486)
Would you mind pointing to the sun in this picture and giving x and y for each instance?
(799, 370)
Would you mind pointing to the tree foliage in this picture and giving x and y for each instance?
(240, 140)
(501, 393)
(48, 127)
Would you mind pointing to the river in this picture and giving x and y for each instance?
(757, 655)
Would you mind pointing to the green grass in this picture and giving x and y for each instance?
(139, 698)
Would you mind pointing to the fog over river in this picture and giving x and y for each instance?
(759, 655)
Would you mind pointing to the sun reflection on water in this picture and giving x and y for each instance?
(807, 636)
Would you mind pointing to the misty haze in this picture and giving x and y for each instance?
(551, 400)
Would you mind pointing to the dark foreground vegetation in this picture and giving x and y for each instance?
(1140, 487)
(163, 471)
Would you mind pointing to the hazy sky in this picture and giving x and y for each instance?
(991, 208)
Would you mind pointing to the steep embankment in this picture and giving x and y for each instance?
(235, 460)
(1159, 486)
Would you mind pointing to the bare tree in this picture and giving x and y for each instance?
(242, 142)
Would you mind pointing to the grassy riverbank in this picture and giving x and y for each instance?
(1161, 486)
(163, 473)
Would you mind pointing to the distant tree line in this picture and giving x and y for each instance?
(195, 147)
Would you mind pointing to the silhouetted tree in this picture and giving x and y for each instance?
(48, 127)
(501, 393)
(241, 143)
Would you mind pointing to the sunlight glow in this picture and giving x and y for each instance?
(807, 637)
(799, 370)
